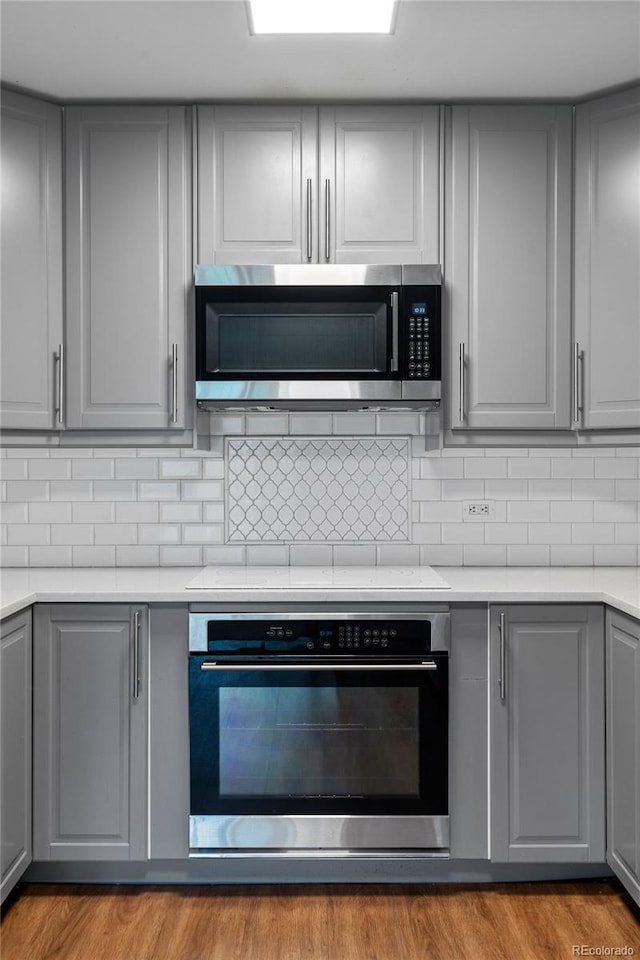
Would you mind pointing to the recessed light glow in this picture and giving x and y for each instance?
(322, 16)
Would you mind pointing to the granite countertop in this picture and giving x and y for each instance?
(617, 586)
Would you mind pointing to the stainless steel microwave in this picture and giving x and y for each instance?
(324, 335)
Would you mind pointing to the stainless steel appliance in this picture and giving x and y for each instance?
(294, 336)
(319, 731)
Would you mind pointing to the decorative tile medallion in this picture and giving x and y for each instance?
(317, 489)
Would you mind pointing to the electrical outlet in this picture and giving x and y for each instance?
(480, 510)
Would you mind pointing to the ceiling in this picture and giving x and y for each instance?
(442, 50)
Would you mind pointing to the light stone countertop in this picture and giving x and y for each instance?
(617, 586)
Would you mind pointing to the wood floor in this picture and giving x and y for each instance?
(431, 922)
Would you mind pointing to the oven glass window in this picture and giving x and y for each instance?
(331, 741)
(296, 337)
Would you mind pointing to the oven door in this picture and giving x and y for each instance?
(319, 756)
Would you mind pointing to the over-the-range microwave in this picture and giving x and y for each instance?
(318, 335)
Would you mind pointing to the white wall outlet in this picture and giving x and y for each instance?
(479, 510)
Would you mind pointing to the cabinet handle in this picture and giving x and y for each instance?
(394, 331)
(577, 383)
(174, 370)
(136, 654)
(60, 366)
(461, 362)
(502, 679)
(327, 219)
(309, 233)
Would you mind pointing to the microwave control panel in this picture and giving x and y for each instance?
(420, 346)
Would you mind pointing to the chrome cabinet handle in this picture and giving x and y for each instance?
(309, 233)
(461, 362)
(136, 654)
(502, 679)
(577, 383)
(214, 665)
(174, 369)
(60, 366)
(327, 219)
(394, 330)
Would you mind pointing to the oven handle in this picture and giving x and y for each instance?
(214, 665)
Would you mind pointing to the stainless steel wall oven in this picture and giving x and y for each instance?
(319, 731)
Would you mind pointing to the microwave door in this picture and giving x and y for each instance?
(353, 339)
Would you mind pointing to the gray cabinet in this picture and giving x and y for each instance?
(623, 749)
(15, 749)
(128, 267)
(508, 266)
(607, 262)
(90, 705)
(547, 734)
(31, 267)
(296, 184)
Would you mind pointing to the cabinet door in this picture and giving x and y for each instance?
(90, 697)
(128, 266)
(257, 184)
(508, 266)
(547, 734)
(31, 266)
(623, 750)
(15, 749)
(379, 185)
(607, 261)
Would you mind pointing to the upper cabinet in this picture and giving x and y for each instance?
(508, 266)
(607, 262)
(128, 267)
(306, 185)
(31, 324)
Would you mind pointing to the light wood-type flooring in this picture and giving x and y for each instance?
(539, 921)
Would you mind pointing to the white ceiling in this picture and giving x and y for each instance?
(442, 50)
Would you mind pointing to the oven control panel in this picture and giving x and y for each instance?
(381, 636)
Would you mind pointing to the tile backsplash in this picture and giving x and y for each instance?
(382, 497)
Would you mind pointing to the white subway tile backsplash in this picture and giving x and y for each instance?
(180, 556)
(528, 555)
(619, 468)
(93, 469)
(49, 512)
(49, 469)
(476, 555)
(615, 555)
(158, 533)
(140, 511)
(92, 512)
(303, 424)
(27, 490)
(267, 424)
(529, 468)
(114, 490)
(19, 534)
(72, 533)
(13, 469)
(571, 556)
(180, 468)
(137, 555)
(167, 506)
(549, 533)
(93, 556)
(572, 468)
(116, 533)
(136, 468)
(486, 468)
(572, 511)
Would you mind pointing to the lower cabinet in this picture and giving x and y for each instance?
(15, 748)
(547, 734)
(90, 730)
(623, 750)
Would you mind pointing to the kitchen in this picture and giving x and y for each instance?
(136, 526)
